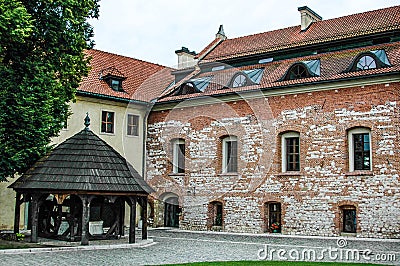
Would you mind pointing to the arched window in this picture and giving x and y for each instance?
(239, 80)
(229, 154)
(304, 69)
(298, 71)
(366, 62)
(370, 60)
(360, 155)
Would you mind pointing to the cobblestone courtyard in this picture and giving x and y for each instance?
(176, 246)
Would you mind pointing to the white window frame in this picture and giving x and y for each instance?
(285, 136)
(127, 124)
(175, 155)
(350, 140)
(225, 153)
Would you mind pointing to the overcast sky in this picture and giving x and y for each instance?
(152, 30)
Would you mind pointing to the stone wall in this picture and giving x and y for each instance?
(311, 199)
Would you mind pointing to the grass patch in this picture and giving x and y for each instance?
(4, 244)
(269, 263)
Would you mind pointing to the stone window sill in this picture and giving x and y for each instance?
(360, 173)
(228, 174)
(290, 173)
(176, 174)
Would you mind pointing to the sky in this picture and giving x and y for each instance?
(152, 30)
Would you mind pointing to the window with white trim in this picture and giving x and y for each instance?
(178, 156)
(360, 154)
(290, 152)
(229, 154)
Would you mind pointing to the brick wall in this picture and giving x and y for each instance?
(311, 199)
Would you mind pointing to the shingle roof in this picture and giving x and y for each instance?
(319, 32)
(138, 75)
(334, 67)
(83, 162)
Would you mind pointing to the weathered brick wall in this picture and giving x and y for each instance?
(311, 198)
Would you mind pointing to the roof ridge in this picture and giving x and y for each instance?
(317, 22)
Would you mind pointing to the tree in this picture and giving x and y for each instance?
(42, 62)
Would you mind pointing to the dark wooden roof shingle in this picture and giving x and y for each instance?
(83, 162)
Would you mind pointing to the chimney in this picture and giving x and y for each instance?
(307, 17)
(185, 58)
(221, 34)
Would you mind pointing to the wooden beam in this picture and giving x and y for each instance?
(35, 218)
(132, 222)
(85, 220)
(17, 211)
(144, 218)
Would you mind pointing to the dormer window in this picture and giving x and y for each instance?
(239, 80)
(246, 78)
(116, 84)
(304, 69)
(366, 62)
(196, 85)
(370, 60)
(113, 77)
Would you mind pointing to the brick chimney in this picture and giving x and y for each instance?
(185, 58)
(307, 17)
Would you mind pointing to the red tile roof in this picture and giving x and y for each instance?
(334, 66)
(319, 32)
(139, 75)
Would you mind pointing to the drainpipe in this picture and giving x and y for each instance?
(149, 108)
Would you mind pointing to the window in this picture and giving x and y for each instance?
(133, 125)
(229, 154)
(359, 149)
(239, 81)
(366, 62)
(216, 213)
(196, 85)
(304, 69)
(107, 122)
(298, 71)
(246, 78)
(116, 84)
(274, 217)
(290, 152)
(113, 77)
(370, 60)
(178, 156)
(349, 219)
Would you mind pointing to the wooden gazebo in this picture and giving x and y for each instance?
(82, 183)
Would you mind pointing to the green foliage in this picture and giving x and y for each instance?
(42, 62)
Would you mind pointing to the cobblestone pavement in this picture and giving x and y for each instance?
(176, 246)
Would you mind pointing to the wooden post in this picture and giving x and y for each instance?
(17, 216)
(122, 210)
(85, 220)
(132, 222)
(35, 218)
(144, 218)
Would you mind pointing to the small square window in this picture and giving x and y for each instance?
(133, 125)
(116, 84)
(107, 122)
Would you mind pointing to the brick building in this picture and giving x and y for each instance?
(292, 131)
